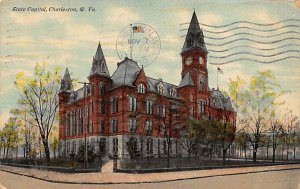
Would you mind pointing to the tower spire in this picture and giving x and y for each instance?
(194, 37)
(99, 64)
(66, 82)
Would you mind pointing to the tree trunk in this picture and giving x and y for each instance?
(17, 151)
(282, 149)
(294, 152)
(255, 153)
(6, 153)
(224, 154)
(47, 150)
(287, 152)
(274, 154)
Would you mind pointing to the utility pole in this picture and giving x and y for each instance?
(86, 124)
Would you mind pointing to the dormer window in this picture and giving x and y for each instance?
(173, 92)
(160, 88)
(141, 88)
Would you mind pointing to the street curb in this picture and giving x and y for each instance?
(144, 182)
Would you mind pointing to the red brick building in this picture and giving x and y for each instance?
(130, 105)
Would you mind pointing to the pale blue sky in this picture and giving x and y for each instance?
(70, 39)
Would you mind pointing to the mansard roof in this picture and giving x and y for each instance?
(125, 73)
(194, 37)
(186, 80)
(153, 83)
(99, 66)
(220, 101)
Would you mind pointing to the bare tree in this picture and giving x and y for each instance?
(38, 98)
(289, 132)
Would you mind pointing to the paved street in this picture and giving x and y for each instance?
(288, 179)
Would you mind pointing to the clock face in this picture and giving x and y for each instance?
(139, 42)
(188, 60)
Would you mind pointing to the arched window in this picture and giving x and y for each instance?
(149, 146)
(92, 89)
(148, 127)
(102, 107)
(161, 110)
(131, 124)
(101, 89)
(114, 125)
(201, 106)
(114, 104)
(149, 107)
(141, 88)
(201, 84)
(131, 104)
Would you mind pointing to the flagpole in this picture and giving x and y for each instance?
(131, 37)
(217, 79)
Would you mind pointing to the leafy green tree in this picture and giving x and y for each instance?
(38, 98)
(255, 101)
(10, 136)
(208, 134)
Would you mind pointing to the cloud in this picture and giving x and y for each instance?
(183, 16)
(174, 40)
(60, 43)
(210, 18)
(170, 56)
(122, 15)
(18, 41)
(262, 16)
(85, 32)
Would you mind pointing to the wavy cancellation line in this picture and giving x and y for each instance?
(255, 48)
(247, 22)
(251, 28)
(254, 60)
(258, 55)
(251, 34)
(255, 41)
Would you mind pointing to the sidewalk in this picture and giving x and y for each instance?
(124, 178)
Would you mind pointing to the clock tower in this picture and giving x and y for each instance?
(194, 56)
(194, 76)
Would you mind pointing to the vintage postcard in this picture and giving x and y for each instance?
(150, 94)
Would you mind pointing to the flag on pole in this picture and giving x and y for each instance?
(220, 71)
(138, 29)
